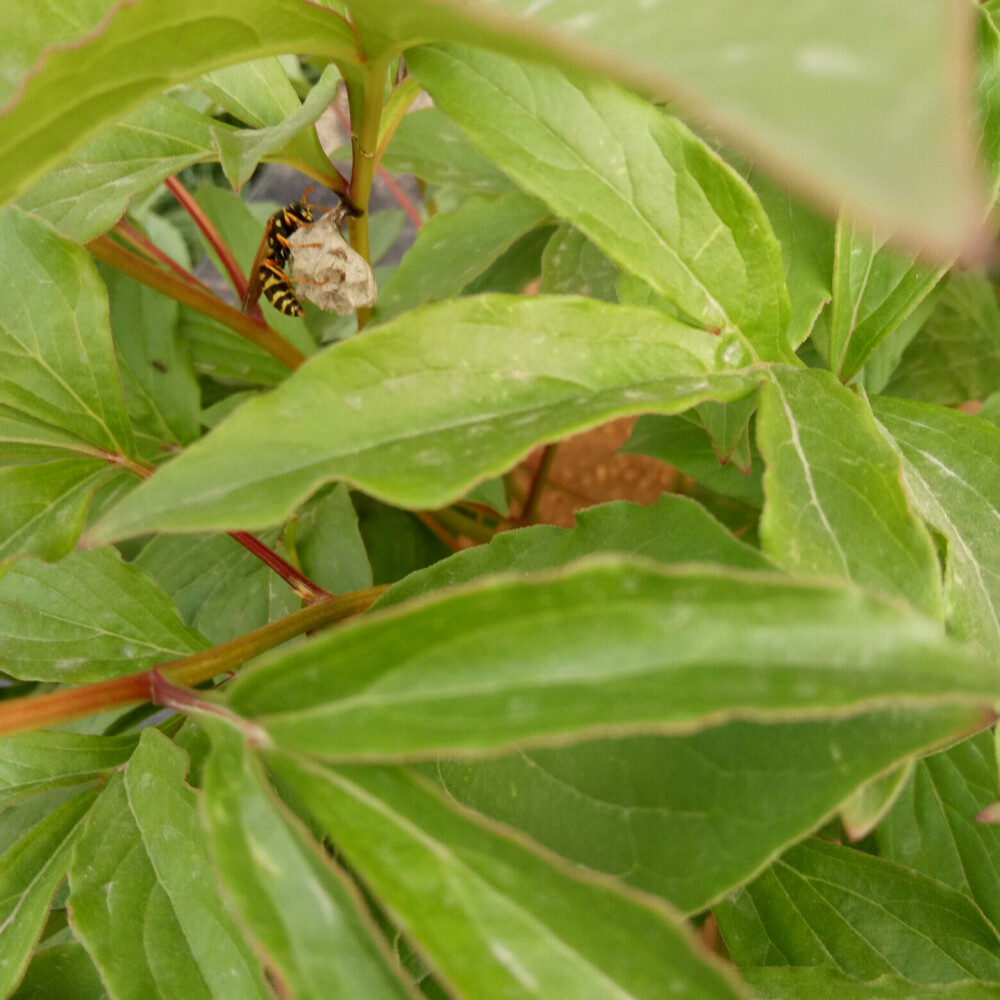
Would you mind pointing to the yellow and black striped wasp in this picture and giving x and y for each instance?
(267, 273)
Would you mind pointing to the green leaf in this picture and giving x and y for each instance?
(932, 828)
(516, 267)
(572, 265)
(956, 356)
(874, 290)
(89, 617)
(87, 194)
(829, 512)
(58, 359)
(30, 873)
(36, 762)
(329, 543)
(73, 91)
(680, 442)
(17, 818)
(827, 984)
(491, 493)
(45, 503)
(606, 646)
(987, 77)
(192, 568)
(674, 529)
(213, 415)
(689, 818)
(301, 909)
(141, 874)
(881, 366)
(247, 602)
(728, 426)
(259, 93)
(807, 249)
(453, 249)
(419, 410)
(951, 464)
(430, 146)
(39, 28)
(62, 411)
(162, 393)
(223, 354)
(828, 96)
(493, 917)
(290, 138)
(383, 230)
(220, 588)
(59, 972)
(829, 906)
(638, 183)
(396, 541)
(990, 410)
(865, 809)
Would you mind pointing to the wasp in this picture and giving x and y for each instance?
(267, 273)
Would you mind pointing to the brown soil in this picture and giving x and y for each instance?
(587, 470)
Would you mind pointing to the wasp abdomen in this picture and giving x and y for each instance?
(277, 289)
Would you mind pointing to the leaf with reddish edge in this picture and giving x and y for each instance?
(138, 49)
(421, 409)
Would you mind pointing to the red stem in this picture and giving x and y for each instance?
(135, 266)
(218, 244)
(130, 234)
(431, 525)
(397, 192)
(21, 715)
(310, 592)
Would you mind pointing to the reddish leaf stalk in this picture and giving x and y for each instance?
(21, 715)
(208, 230)
(463, 526)
(310, 592)
(143, 471)
(431, 524)
(132, 235)
(397, 192)
(115, 255)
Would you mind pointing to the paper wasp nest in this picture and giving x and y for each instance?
(330, 275)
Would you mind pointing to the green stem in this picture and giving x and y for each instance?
(21, 715)
(114, 255)
(364, 144)
(462, 525)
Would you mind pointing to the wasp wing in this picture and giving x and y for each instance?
(254, 285)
